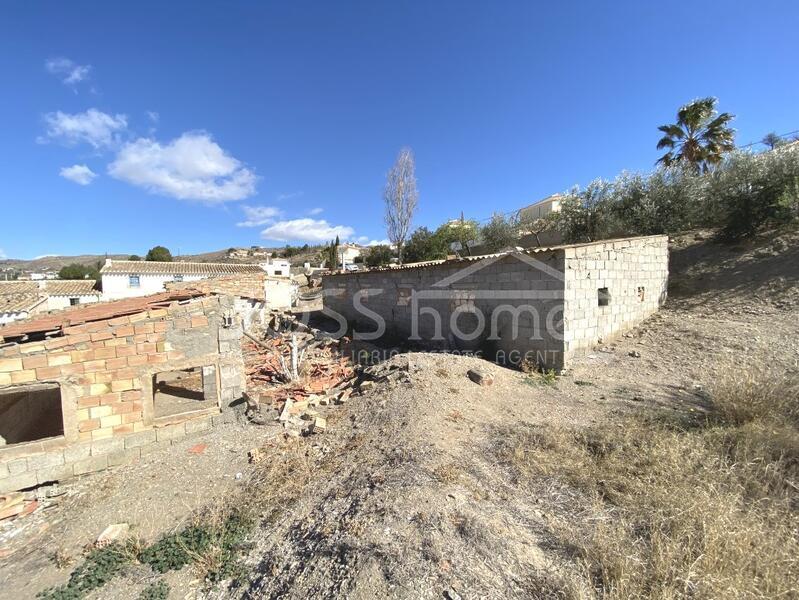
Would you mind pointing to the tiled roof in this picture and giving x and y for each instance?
(76, 287)
(99, 311)
(124, 267)
(11, 288)
(52, 287)
(12, 303)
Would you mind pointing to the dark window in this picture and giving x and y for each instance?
(184, 391)
(133, 281)
(30, 413)
(641, 293)
(74, 301)
(178, 277)
(603, 296)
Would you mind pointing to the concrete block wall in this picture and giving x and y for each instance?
(481, 295)
(105, 372)
(560, 285)
(635, 273)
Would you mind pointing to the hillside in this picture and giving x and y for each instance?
(662, 464)
(54, 263)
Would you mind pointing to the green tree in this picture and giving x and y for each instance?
(159, 254)
(460, 231)
(134, 257)
(700, 137)
(499, 233)
(378, 256)
(79, 271)
(423, 245)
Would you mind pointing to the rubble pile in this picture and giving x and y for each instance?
(293, 369)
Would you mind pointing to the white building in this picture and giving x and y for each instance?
(127, 278)
(540, 209)
(276, 267)
(21, 299)
(347, 253)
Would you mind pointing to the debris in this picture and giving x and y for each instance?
(238, 476)
(198, 449)
(111, 534)
(255, 455)
(480, 377)
(309, 415)
(365, 386)
(343, 396)
(286, 413)
(319, 425)
(11, 505)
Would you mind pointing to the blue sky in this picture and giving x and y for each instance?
(203, 125)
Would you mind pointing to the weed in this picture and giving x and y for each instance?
(545, 377)
(212, 546)
(155, 591)
(669, 510)
(99, 567)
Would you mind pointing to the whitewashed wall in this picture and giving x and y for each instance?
(59, 302)
(118, 286)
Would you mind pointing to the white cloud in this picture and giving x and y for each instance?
(2, 254)
(153, 116)
(67, 70)
(289, 195)
(316, 211)
(80, 174)
(44, 256)
(379, 243)
(306, 230)
(93, 127)
(258, 215)
(191, 167)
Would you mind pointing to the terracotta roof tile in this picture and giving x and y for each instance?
(124, 267)
(99, 311)
(13, 303)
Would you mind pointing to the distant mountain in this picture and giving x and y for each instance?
(54, 263)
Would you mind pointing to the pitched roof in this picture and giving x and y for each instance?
(52, 287)
(99, 311)
(14, 303)
(137, 267)
(76, 287)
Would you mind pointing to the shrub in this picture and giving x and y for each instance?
(671, 509)
(744, 193)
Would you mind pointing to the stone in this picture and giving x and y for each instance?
(309, 415)
(319, 425)
(112, 533)
(480, 377)
(634, 354)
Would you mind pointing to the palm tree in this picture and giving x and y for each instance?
(699, 138)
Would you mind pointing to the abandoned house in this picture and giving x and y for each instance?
(21, 299)
(88, 388)
(129, 278)
(544, 305)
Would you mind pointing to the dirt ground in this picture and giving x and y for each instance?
(406, 497)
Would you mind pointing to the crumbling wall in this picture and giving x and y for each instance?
(508, 308)
(105, 372)
(634, 272)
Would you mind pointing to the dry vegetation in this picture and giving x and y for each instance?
(668, 508)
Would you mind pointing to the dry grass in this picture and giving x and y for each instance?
(666, 510)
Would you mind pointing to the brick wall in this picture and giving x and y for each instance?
(105, 373)
(635, 273)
